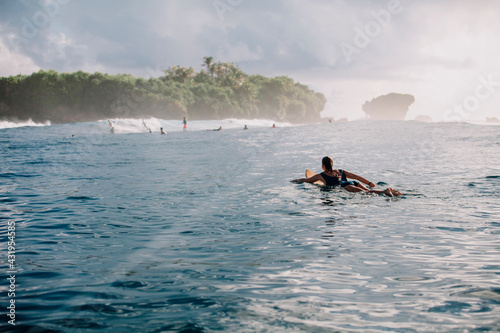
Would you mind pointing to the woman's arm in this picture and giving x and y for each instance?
(361, 179)
(312, 179)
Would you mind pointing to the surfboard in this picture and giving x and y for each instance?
(309, 174)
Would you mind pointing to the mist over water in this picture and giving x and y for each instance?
(202, 231)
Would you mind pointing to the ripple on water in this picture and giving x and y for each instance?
(17, 175)
(59, 295)
(79, 323)
(119, 310)
(81, 197)
(40, 275)
(129, 284)
(491, 294)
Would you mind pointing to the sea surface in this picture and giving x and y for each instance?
(202, 231)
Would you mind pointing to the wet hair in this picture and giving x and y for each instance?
(328, 163)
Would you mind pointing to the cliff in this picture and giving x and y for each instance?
(388, 107)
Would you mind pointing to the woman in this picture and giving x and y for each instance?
(339, 177)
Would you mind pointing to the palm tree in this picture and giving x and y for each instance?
(184, 73)
(237, 75)
(221, 69)
(207, 61)
(170, 72)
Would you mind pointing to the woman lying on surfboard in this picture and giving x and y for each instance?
(332, 177)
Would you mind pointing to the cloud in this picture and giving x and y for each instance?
(239, 52)
(15, 63)
(421, 48)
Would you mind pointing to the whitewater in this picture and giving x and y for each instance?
(132, 125)
(202, 231)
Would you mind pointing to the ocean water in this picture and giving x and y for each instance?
(202, 231)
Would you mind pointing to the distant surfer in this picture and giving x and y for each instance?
(246, 127)
(216, 130)
(332, 177)
(162, 131)
(274, 126)
(149, 129)
(184, 122)
(111, 127)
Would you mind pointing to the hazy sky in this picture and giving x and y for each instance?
(446, 53)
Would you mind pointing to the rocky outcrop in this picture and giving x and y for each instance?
(388, 107)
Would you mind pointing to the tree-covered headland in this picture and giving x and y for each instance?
(220, 90)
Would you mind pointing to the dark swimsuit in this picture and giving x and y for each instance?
(335, 181)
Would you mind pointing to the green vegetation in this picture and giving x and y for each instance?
(220, 90)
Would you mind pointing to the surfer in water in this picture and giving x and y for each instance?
(149, 129)
(162, 131)
(111, 127)
(332, 177)
(185, 124)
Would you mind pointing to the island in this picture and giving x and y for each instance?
(392, 106)
(220, 90)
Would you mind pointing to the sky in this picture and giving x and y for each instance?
(446, 53)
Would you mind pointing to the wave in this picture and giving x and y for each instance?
(130, 125)
(11, 124)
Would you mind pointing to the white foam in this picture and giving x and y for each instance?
(129, 125)
(10, 124)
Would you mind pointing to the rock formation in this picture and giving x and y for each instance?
(388, 107)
